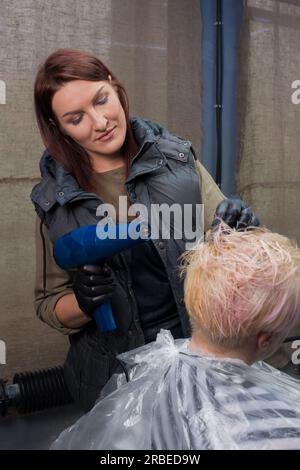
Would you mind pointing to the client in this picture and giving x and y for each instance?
(213, 391)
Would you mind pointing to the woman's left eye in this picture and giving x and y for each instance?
(102, 100)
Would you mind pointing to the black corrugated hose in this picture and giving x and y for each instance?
(35, 391)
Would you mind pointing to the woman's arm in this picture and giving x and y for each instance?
(68, 312)
(211, 194)
(56, 305)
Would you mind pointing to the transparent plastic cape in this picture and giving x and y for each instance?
(177, 399)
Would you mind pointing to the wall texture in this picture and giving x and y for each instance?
(268, 172)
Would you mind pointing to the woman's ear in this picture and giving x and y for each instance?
(110, 81)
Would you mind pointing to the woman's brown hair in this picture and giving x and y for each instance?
(61, 67)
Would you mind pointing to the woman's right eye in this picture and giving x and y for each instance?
(76, 121)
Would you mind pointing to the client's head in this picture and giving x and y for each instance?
(242, 291)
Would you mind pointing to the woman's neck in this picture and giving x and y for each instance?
(105, 163)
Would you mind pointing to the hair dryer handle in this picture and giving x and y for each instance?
(104, 319)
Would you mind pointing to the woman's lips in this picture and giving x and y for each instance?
(107, 136)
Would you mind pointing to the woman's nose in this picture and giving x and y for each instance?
(100, 122)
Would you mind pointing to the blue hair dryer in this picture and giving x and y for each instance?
(94, 244)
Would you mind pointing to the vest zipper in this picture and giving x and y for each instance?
(132, 296)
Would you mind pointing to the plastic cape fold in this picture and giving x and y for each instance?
(180, 400)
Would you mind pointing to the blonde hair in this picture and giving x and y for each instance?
(239, 283)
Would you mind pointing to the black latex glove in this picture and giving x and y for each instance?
(236, 214)
(93, 286)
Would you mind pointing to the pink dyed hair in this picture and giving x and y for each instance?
(240, 283)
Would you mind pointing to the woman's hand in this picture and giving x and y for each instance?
(236, 214)
(93, 286)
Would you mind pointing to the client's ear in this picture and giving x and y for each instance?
(263, 341)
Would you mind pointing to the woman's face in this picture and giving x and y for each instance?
(86, 111)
